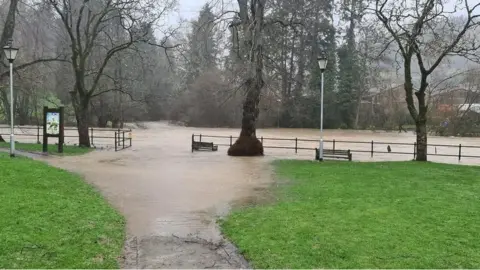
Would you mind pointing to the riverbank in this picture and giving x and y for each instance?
(53, 219)
(364, 215)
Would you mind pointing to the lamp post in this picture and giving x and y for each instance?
(322, 63)
(11, 54)
(278, 112)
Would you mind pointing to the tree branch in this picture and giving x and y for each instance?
(26, 65)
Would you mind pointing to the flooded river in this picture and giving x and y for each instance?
(165, 190)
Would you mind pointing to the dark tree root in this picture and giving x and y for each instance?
(246, 146)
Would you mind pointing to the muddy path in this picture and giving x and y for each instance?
(171, 197)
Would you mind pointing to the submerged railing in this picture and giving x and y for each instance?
(370, 147)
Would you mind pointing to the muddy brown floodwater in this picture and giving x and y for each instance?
(172, 197)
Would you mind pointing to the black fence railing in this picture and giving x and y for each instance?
(98, 136)
(123, 139)
(371, 147)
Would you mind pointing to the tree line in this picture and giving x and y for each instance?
(391, 64)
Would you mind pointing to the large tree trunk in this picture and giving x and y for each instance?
(357, 113)
(421, 122)
(82, 125)
(9, 25)
(82, 115)
(6, 35)
(421, 129)
(419, 116)
(248, 144)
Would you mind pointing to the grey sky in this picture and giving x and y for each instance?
(187, 10)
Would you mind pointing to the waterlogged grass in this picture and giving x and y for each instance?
(51, 218)
(68, 150)
(364, 215)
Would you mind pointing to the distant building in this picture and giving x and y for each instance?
(456, 99)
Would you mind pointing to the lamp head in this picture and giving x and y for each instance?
(10, 51)
(322, 62)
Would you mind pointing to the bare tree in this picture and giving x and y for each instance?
(251, 23)
(89, 25)
(428, 31)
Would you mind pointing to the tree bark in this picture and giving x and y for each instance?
(357, 113)
(82, 125)
(9, 25)
(248, 144)
(80, 104)
(421, 121)
(421, 129)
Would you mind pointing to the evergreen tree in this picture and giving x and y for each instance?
(349, 80)
(202, 46)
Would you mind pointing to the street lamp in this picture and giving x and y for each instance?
(278, 112)
(11, 54)
(322, 63)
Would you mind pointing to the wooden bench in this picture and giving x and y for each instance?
(336, 153)
(197, 146)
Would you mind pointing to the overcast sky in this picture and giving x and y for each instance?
(187, 9)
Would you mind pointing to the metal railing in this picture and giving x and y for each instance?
(368, 147)
(120, 139)
(98, 136)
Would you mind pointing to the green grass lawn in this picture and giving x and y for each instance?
(68, 150)
(51, 218)
(364, 215)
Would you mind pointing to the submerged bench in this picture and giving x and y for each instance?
(197, 146)
(336, 154)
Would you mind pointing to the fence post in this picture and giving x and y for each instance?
(230, 140)
(459, 152)
(200, 137)
(296, 145)
(414, 150)
(38, 134)
(115, 141)
(333, 146)
(118, 134)
(123, 139)
(371, 151)
(130, 137)
(261, 139)
(91, 136)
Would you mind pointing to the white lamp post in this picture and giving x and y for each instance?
(11, 54)
(322, 63)
(278, 112)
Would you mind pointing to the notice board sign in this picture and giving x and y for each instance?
(53, 127)
(53, 123)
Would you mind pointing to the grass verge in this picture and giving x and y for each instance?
(364, 215)
(68, 150)
(51, 218)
